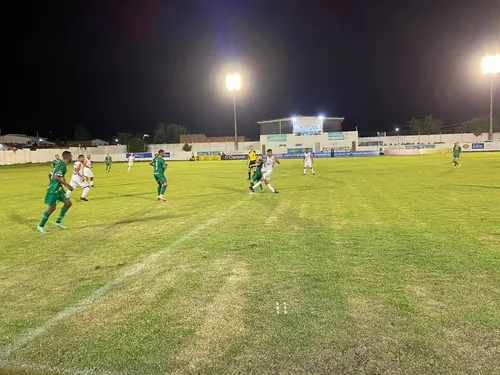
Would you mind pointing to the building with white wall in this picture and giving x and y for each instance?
(99, 142)
(317, 133)
(23, 139)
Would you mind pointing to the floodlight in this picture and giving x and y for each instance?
(294, 119)
(233, 82)
(491, 64)
(321, 117)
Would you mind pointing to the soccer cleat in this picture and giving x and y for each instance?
(41, 229)
(276, 192)
(252, 193)
(60, 225)
(84, 199)
(314, 174)
(160, 198)
(251, 189)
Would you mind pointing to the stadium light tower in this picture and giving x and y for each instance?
(491, 66)
(233, 84)
(397, 132)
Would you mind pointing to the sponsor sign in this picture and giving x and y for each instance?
(346, 154)
(337, 136)
(277, 138)
(298, 150)
(143, 155)
(208, 157)
(477, 146)
(234, 157)
(207, 153)
(417, 147)
(392, 152)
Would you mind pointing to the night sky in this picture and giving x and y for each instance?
(127, 65)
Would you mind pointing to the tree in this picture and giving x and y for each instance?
(174, 133)
(426, 125)
(479, 125)
(160, 133)
(136, 145)
(169, 133)
(187, 147)
(124, 138)
(81, 133)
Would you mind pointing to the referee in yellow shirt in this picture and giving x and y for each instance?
(252, 157)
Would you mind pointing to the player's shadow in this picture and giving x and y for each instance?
(482, 186)
(137, 195)
(131, 220)
(18, 219)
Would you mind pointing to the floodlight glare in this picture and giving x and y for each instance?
(233, 82)
(397, 129)
(491, 64)
(321, 117)
(294, 119)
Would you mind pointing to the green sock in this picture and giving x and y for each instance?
(252, 184)
(45, 217)
(64, 209)
(159, 190)
(163, 189)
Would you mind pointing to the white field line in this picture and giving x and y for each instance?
(8, 349)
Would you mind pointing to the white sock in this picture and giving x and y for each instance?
(257, 185)
(85, 191)
(271, 188)
(129, 168)
(68, 193)
(312, 170)
(305, 170)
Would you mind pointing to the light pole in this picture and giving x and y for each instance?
(397, 132)
(233, 84)
(491, 66)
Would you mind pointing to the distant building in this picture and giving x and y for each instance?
(99, 142)
(202, 138)
(23, 139)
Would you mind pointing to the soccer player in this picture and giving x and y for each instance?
(131, 160)
(87, 171)
(257, 175)
(308, 162)
(457, 154)
(159, 167)
(55, 161)
(78, 178)
(252, 157)
(270, 162)
(55, 193)
(108, 162)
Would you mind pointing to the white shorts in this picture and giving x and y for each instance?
(308, 164)
(77, 181)
(267, 174)
(87, 172)
(130, 164)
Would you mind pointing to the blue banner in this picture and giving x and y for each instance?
(277, 138)
(339, 136)
(208, 153)
(478, 146)
(142, 155)
(297, 150)
(418, 147)
(346, 154)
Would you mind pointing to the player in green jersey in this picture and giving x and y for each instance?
(55, 161)
(159, 167)
(108, 161)
(457, 154)
(53, 164)
(55, 192)
(257, 175)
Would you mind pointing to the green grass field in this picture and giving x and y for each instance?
(387, 265)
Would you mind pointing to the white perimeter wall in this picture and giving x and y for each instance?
(295, 141)
(433, 138)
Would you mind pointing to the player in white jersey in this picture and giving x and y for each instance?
(79, 179)
(266, 175)
(308, 162)
(131, 160)
(87, 170)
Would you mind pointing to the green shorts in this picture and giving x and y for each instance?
(256, 176)
(53, 197)
(161, 180)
